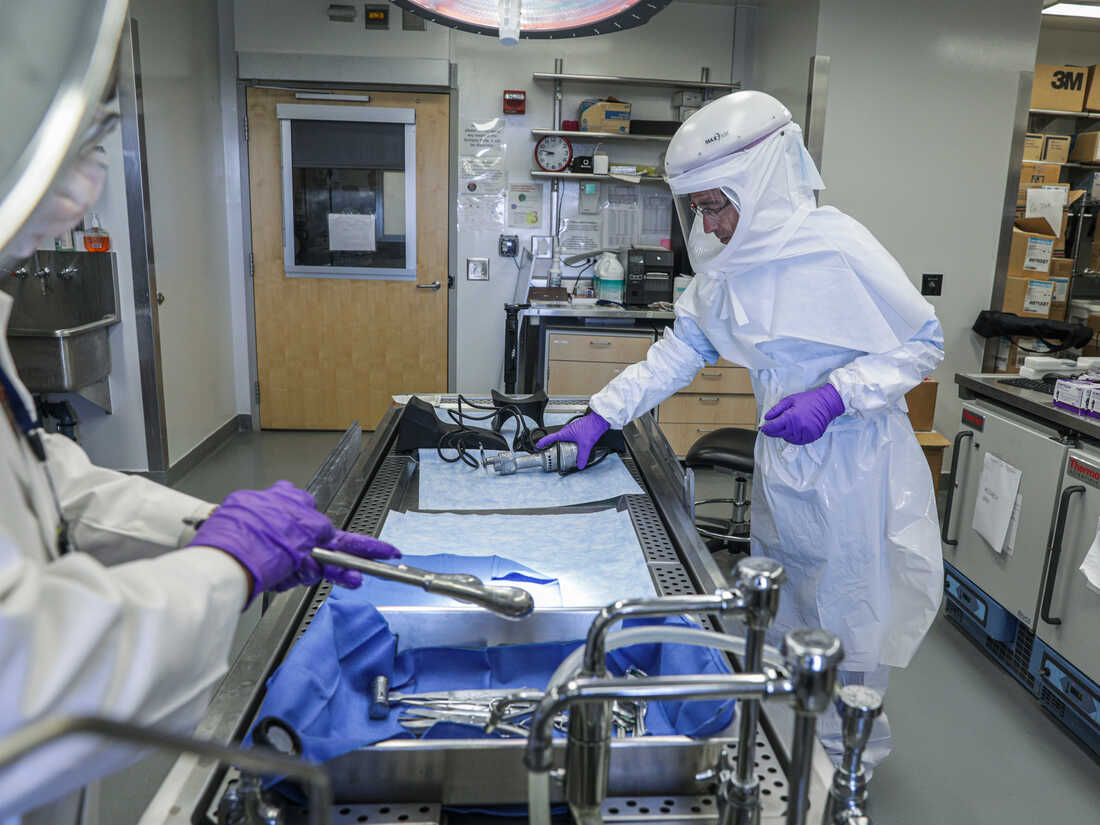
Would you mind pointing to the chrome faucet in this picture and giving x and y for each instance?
(811, 657)
(68, 272)
(858, 707)
(43, 275)
(21, 273)
(755, 597)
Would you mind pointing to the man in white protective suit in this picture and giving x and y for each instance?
(118, 597)
(834, 335)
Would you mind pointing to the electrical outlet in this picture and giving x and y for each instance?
(508, 246)
(931, 284)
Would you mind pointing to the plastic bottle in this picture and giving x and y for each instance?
(609, 278)
(96, 238)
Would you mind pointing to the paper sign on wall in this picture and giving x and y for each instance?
(997, 490)
(483, 137)
(482, 175)
(350, 233)
(525, 205)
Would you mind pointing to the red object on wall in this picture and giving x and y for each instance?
(515, 102)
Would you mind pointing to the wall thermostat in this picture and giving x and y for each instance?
(477, 269)
(542, 246)
(515, 102)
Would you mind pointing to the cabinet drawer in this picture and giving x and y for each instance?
(615, 349)
(735, 410)
(682, 436)
(579, 377)
(713, 380)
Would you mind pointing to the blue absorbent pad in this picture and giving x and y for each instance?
(457, 486)
(322, 688)
(595, 557)
(490, 569)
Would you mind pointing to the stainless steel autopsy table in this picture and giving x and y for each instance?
(357, 486)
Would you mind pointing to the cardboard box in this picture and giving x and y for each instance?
(1061, 275)
(1028, 297)
(921, 401)
(1033, 146)
(1086, 148)
(1092, 92)
(1040, 173)
(933, 444)
(687, 98)
(1056, 148)
(1059, 87)
(1021, 193)
(605, 116)
(1032, 248)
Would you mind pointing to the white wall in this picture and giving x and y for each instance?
(485, 69)
(785, 40)
(118, 439)
(179, 61)
(1061, 42)
(922, 100)
(303, 27)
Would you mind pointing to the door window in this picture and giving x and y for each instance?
(349, 204)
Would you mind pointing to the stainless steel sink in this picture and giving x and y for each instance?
(64, 306)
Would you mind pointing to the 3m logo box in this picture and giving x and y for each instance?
(1059, 87)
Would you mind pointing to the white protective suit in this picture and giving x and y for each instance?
(803, 295)
(144, 640)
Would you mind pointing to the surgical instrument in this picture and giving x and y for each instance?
(509, 602)
(560, 458)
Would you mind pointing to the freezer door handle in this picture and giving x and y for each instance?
(951, 479)
(1054, 554)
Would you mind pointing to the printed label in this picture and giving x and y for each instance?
(1038, 297)
(1083, 471)
(1038, 255)
(1069, 81)
(972, 419)
(1061, 289)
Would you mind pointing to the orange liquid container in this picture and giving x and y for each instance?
(96, 240)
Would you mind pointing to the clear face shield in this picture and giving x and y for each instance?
(709, 219)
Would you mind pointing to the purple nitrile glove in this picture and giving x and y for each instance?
(272, 533)
(802, 418)
(584, 432)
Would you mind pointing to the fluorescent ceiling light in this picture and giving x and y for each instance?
(540, 19)
(1073, 10)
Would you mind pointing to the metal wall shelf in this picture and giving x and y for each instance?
(1057, 112)
(636, 81)
(591, 176)
(599, 135)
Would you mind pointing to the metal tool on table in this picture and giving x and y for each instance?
(244, 801)
(509, 602)
(858, 707)
(560, 458)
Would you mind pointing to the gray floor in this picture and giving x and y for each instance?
(971, 746)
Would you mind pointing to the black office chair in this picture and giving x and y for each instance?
(729, 448)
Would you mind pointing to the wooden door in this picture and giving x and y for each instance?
(333, 350)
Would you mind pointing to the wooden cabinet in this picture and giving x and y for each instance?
(720, 396)
(580, 362)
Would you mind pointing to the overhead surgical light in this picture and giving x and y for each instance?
(539, 19)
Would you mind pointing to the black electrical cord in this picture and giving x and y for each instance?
(524, 440)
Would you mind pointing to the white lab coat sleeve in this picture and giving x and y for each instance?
(118, 517)
(871, 383)
(669, 366)
(144, 641)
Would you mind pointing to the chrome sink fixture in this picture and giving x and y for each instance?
(64, 306)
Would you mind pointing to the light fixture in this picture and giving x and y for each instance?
(540, 19)
(1073, 10)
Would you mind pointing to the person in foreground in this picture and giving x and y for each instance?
(834, 335)
(118, 597)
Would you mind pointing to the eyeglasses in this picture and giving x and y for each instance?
(709, 211)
